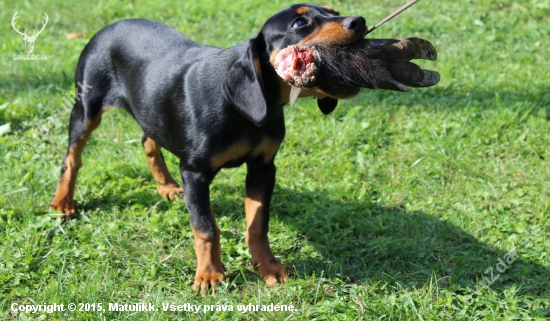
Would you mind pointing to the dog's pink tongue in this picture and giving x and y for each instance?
(285, 67)
(296, 64)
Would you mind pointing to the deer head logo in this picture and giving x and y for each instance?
(29, 39)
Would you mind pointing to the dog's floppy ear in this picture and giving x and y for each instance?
(243, 86)
(327, 105)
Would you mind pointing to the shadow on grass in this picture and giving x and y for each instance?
(361, 240)
(356, 241)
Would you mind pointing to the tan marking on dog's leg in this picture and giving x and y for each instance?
(210, 269)
(256, 239)
(63, 199)
(169, 188)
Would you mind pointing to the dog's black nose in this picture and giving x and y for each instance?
(355, 23)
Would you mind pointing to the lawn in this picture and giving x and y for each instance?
(428, 205)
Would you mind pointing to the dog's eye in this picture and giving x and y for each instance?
(299, 23)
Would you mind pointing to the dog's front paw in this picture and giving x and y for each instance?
(170, 191)
(65, 205)
(208, 278)
(273, 272)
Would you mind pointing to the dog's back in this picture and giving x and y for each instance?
(131, 62)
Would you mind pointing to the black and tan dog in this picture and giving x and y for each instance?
(212, 108)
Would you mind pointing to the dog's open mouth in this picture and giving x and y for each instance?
(297, 65)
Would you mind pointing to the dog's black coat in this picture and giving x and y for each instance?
(172, 86)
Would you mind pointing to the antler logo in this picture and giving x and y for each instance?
(29, 39)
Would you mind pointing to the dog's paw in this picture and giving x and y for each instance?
(273, 272)
(208, 279)
(66, 206)
(170, 191)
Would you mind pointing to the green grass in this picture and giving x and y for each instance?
(391, 208)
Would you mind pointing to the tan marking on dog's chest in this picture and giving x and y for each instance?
(267, 148)
(233, 152)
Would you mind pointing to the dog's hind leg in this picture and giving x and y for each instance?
(169, 187)
(85, 117)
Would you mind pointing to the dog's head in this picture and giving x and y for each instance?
(309, 24)
(305, 25)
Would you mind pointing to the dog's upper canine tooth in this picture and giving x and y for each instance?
(294, 93)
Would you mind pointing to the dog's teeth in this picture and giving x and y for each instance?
(294, 93)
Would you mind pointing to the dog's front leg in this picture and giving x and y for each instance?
(207, 234)
(260, 180)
